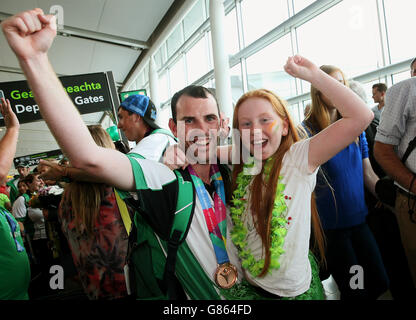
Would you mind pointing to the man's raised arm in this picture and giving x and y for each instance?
(30, 35)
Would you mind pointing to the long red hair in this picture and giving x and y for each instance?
(262, 202)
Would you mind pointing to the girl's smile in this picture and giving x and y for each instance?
(265, 127)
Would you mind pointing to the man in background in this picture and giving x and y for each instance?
(396, 130)
(137, 119)
(23, 170)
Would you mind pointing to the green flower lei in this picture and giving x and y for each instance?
(278, 223)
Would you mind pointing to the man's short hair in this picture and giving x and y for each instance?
(30, 177)
(381, 87)
(194, 92)
(22, 165)
(21, 181)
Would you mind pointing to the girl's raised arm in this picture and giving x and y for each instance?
(356, 116)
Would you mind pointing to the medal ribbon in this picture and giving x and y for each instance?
(13, 229)
(214, 217)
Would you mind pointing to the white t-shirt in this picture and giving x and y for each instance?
(294, 275)
(36, 215)
(19, 208)
(153, 146)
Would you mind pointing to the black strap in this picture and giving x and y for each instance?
(411, 146)
(170, 284)
(169, 278)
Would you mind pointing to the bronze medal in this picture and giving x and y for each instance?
(226, 275)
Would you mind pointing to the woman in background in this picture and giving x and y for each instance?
(97, 237)
(351, 247)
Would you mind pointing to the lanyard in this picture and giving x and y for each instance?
(214, 217)
(13, 228)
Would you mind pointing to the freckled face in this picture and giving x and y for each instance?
(266, 128)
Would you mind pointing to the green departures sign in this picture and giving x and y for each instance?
(89, 92)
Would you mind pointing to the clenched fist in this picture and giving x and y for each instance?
(30, 33)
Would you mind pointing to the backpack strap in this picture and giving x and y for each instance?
(410, 147)
(185, 206)
(166, 132)
(125, 216)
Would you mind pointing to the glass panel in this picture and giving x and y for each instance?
(158, 60)
(163, 116)
(139, 80)
(265, 69)
(177, 76)
(145, 74)
(160, 56)
(401, 75)
(175, 40)
(209, 84)
(194, 19)
(164, 87)
(399, 18)
(346, 36)
(296, 112)
(301, 4)
(231, 33)
(236, 83)
(261, 16)
(197, 61)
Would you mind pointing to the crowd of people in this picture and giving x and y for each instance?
(181, 216)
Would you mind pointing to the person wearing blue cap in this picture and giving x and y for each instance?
(137, 119)
(23, 169)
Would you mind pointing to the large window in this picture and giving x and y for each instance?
(265, 69)
(194, 19)
(160, 56)
(164, 87)
(236, 82)
(231, 33)
(177, 76)
(347, 36)
(163, 116)
(401, 75)
(400, 17)
(197, 60)
(175, 40)
(261, 16)
(298, 5)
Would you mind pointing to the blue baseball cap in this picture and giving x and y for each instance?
(143, 106)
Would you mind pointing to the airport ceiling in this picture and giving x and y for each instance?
(95, 36)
